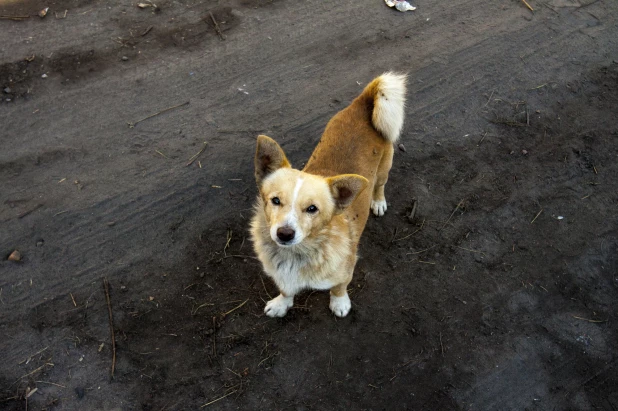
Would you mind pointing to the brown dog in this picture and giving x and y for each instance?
(308, 223)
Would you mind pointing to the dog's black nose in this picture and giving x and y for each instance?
(285, 234)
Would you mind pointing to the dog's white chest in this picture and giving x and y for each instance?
(291, 278)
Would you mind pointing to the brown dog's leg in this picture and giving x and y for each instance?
(378, 203)
(340, 303)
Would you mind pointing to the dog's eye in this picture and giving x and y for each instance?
(312, 209)
(276, 201)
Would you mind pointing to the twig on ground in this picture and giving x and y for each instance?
(394, 235)
(404, 237)
(422, 251)
(267, 358)
(589, 320)
(217, 28)
(265, 290)
(27, 360)
(481, 140)
(35, 370)
(51, 383)
(410, 216)
(16, 18)
(196, 155)
(132, 125)
(218, 399)
(453, 213)
(536, 216)
(111, 324)
(236, 308)
(193, 312)
(527, 5)
(489, 99)
(146, 31)
(227, 243)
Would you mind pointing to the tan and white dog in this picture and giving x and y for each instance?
(308, 223)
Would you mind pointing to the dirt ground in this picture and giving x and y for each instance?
(500, 292)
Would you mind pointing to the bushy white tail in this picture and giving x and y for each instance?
(389, 97)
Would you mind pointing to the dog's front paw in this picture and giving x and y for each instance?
(278, 306)
(378, 207)
(340, 306)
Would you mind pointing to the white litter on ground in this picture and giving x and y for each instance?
(400, 5)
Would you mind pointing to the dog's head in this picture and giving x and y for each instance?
(297, 205)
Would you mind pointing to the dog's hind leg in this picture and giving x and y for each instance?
(340, 303)
(378, 203)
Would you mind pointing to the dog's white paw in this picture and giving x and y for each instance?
(340, 306)
(378, 207)
(278, 306)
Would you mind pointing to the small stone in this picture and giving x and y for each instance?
(402, 147)
(15, 256)
(125, 58)
(524, 152)
(44, 76)
(512, 152)
(7, 90)
(438, 143)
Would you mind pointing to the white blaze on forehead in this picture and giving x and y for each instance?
(299, 184)
(293, 217)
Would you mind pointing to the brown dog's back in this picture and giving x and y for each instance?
(355, 142)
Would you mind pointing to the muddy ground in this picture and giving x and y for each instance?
(499, 293)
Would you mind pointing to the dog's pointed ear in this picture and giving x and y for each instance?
(269, 157)
(345, 188)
